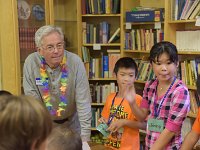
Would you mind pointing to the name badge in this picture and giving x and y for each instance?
(103, 129)
(155, 125)
(38, 81)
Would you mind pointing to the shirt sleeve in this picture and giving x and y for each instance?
(196, 125)
(145, 101)
(179, 108)
(83, 101)
(29, 86)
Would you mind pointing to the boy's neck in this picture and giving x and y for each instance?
(120, 94)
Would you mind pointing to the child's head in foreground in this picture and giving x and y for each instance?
(25, 123)
(125, 70)
(63, 138)
(5, 93)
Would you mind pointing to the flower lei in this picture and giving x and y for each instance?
(63, 89)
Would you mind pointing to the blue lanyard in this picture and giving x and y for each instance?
(113, 115)
(157, 111)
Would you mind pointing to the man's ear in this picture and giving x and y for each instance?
(39, 50)
(177, 64)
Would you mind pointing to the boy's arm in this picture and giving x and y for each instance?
(163, 140)
(115, 126)
(190, 140)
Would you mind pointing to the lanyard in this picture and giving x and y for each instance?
(113, 115)
(157, 111)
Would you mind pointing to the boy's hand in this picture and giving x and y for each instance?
(115, 126)
(129, 94)
(103, 120)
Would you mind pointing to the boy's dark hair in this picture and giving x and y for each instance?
(63, 138)
(198, 85)
(125, 62)
(164, 47)
(4, 93)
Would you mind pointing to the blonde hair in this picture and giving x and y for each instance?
(23, 121)
(63, 138)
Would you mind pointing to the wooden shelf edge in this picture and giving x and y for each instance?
(97, 104)
(106, 44)
(101, 79)
(101, 15)
(181, 21)
(191, 115)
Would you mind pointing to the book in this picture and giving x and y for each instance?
(115, 36)
(113, 57)
(194, 5)
(105, 66)
(195, 12)
(186, 8)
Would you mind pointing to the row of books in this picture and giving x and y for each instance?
(100, 6)
(101, 67)
(185, 9)
(190, 69)
(142, 39)
(194, 102)
(145, 71)
(184, 42)
(100, 92)
(96, 114)
(26, 38)
(99, 33)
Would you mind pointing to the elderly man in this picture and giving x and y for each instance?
(58, 78)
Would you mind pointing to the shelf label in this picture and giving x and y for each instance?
(96, 46)
(197, 21)
(157, 25)
(128, 25)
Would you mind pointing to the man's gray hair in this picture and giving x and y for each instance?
(44, 31)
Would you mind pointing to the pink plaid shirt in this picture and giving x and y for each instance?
(173, 111)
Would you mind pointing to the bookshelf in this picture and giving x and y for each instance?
(172, 25)
(64, 14)
(31, 15)
(68, 14)
(20, 32)
(96, 27)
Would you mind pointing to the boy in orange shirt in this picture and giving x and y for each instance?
(193, 136)
(121, 124)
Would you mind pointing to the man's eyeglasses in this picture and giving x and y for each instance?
(52, 48)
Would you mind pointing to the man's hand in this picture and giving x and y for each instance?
(115, 126)
(85, 146)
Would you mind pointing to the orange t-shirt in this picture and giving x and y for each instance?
(128, 139)
(196, 125)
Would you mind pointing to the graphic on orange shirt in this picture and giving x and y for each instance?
(114, 139)
(128, 138)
